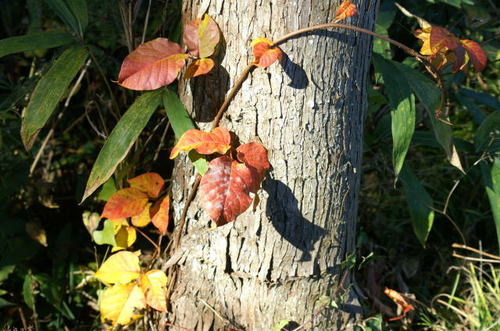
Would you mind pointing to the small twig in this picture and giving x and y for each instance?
(146, 21)
(475, 258)
(148, 239)
(162, 142)
(182, 220)
(452, 222)
(213, 310)
(472, 249)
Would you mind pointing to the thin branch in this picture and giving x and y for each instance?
(472, 249)
(475, 258)
(146, 21)
(182, 220)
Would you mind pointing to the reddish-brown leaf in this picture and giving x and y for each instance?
(264, 53)
(442, 39)
(152, 65)
(190, 37)
(346, 9)
(225, 189)
(126, 202)
(159, 214)
(199, 67)
(476, 54)
(201, 36)
(254, 155)
(151, 183)
(217, 141)
(400, 301)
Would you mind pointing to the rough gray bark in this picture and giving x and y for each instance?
(274, 263)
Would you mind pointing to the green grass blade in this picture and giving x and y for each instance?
(79, 10)
(181, 122)
(49, 91)
(402, 102)
(34, 41)
(61, 8)
(491, 179)
(419, 204)
(121, 139)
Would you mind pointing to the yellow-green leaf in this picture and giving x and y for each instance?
(121, 268)
(120, 303)
(154, 286)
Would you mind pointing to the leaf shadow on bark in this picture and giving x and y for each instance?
(284, 213)
(297, 75)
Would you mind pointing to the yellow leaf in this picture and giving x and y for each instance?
(124, 238)
(154, 286)
(143, 218)
(122, 268)
(120, 303)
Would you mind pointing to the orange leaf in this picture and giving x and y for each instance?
(217, 141)
(150, 183)
(254, 155)
(399, 300)
(152, 65)
(264, 54)
(159, 212)
(201, 36)
(199, 67)
(345, 10)
(143, 218)
(225, 189)
(442, 39)
(126, 202)
(476, 54)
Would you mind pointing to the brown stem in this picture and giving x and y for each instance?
(182, 220)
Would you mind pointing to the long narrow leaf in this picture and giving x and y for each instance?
(79, 10)
(31, 42)
(491, 179)
(181, 122)
(61, 8)
(49, 91)
(419, 204)
(121, 139)
(402, 102)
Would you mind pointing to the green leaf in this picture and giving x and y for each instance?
(107, 190)
(488, 134)
(28, 294)
(61, 8)
(4, 303)
(34, 41)
(49, 91)
(280, 325)
(79, 10)
(5, 271)
(121, 139)
(419, 204)
(491, 180)
(106, 235)
(385, 17)
(429, 95)
(181, 122)
(402, 102)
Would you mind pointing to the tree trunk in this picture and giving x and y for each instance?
(277, 260)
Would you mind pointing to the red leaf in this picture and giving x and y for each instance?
(264, 54)
(476, 54)
(201, 36)
(217, 141)
(150, 183)
(159, 212)
(199, 67)
(346, 9)
(152, 65)
(254, 155)
(225, 189)
(441, 38)
(127, 202)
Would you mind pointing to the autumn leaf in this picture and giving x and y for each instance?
(217, 141)
(264, 54)
(400, 301)
(154, 285)
(345, 10)
(122, 268)
(152, 65)
(120, 303)
(201, 36)
(225, 189)
(36, 232)
(143, 218)
(199, 67)
(125, 235)
(160, 212)
(254, 155)
(126, 202)
(150, 183)
(476, 54)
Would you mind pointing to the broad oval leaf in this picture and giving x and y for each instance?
(476, 54)
(121, 139)
(199, 67)
(143, 218)
(126, 202)
(106, 236)
(150, 183)
(254, 155)
(152, 65)
(160, 214)
(122, 268)
(209, 36)
(49, 91)
(120, 303)
(264, 54)
(154, 285)
(190, 37)
(225, 189)
(34, 41)
(125, 235)
(217, 141)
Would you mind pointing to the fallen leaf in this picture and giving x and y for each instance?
(126, 202)
(150, 183)
(120, 303)
(199, 67)
(122, 268)
(160, 212)
(345, 10)
(217, 141)
(154, 285)
(152, 65)
(264, 53)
